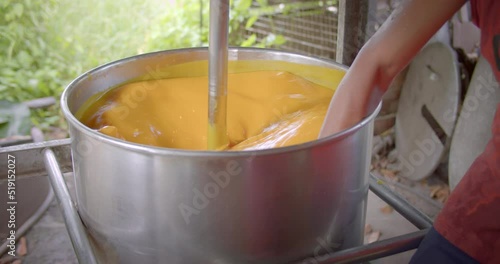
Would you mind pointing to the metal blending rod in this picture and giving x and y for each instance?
(217, 74)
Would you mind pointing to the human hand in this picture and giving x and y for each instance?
(386, 53)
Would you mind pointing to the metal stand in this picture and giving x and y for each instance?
(52, 158)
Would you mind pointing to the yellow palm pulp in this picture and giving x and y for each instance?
(265, 109)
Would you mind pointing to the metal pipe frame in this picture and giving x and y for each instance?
(53, 160)
(84, 252)
(375, 250)
(74, 225)
(358, 254)
(417, 218)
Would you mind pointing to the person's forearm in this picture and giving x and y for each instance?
(383, 57)
(404, 33)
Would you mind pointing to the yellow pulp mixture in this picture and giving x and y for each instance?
(265, 109)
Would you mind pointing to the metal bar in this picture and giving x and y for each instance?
(217, 74)
(15, 140)
(74, 225)
(371, 251)
(399, 204)
(29, 158)
(397, 185)
(41, 102)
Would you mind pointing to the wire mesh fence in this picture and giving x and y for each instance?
(309, 27)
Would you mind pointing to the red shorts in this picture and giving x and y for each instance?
(470, 218)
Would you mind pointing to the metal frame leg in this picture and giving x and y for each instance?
(417, 218)
(74, 225)
(385, 247)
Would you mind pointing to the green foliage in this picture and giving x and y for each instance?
(184, 24)
(243, 14)
(29, 67)
(94, 32)
(240, 11)
(14, 119)
(44, 44)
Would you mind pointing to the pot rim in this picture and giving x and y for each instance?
(147, 149)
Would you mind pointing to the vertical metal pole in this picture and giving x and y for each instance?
(217, 74)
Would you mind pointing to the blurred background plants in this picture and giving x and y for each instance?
(44, 44)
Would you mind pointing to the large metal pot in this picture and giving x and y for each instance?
(144, 204)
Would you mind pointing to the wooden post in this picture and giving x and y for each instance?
(351, 30)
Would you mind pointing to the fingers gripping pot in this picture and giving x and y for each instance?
(144, 204)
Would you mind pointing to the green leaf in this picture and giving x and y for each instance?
(16, 119)
(24, 59)
(17, 10)
(249, 41)
(4, 119)
(262, 3)
(52, 120)
(5, 3)
(279, 40)
(244, 4)
(251, 21)
(260, 45)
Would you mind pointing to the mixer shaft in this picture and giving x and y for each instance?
(217, 96)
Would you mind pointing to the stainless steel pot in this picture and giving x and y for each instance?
(144, 204)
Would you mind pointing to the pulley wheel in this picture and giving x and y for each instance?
(427, 110)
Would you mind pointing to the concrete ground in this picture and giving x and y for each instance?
(389, 225)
